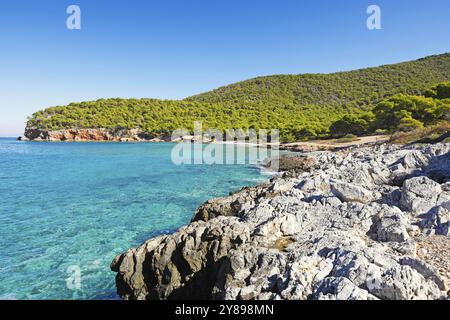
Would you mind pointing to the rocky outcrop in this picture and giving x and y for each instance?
(371, 223)
(117, 135)
(293, 164)
(231, 205)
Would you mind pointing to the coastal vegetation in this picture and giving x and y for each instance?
(432, 134)
(302, 107)
(400, 113)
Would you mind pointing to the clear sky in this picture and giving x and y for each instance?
(176, 48)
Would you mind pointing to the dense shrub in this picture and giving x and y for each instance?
(399, 113)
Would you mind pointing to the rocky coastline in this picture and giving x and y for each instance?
(104, 135)
(364, 223)
(84, 135)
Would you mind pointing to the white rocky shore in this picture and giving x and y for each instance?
(368, 223)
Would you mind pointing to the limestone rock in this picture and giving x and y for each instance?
(367, 223)
(437, 220)
(296, 164)
(392, 227)
(419, 194)
(404, 283)
(347, 192)
(427, 271)
(341, 289)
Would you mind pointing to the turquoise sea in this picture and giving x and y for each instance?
(78, 205)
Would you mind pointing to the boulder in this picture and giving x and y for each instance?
(437, 220)
(181, 265)
(402, 282)
(419, 194)
(292, 163)
(392, 227)
(348, 192)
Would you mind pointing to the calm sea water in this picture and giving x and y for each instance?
(80, 204)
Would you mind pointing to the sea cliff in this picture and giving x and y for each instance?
(367, 223)
(90, 135)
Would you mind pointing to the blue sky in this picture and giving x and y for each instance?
(176, 48)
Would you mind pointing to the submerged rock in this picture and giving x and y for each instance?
(353, 226)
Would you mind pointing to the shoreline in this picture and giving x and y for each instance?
(105, 136)
(239, 225)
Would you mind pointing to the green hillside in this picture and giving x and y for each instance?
(299, 105)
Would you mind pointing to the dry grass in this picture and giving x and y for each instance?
(282, 243)
(434, 134)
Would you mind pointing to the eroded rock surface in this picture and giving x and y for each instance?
(117, 135)
(357, 226)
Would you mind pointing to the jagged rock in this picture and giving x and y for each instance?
(446, 186)
(295, 164)
(214, 208)
(179, 265)
(398, 174)
(437, 220)
(408, 247)
(344, 230)
(414, 160)
(315, 184)
(427, 271)
(439, 165)
(283, 225)
(404, 283)
(341, 289)
(419, 194)
(392, 227)
(347, 192)
(231, 205)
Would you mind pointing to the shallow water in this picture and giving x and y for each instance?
(65, 206)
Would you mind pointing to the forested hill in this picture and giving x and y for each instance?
(352, 88)
(298, 105)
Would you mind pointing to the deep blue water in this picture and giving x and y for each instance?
(81, 204)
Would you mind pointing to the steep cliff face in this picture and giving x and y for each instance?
(89, 135)
(372, 223)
